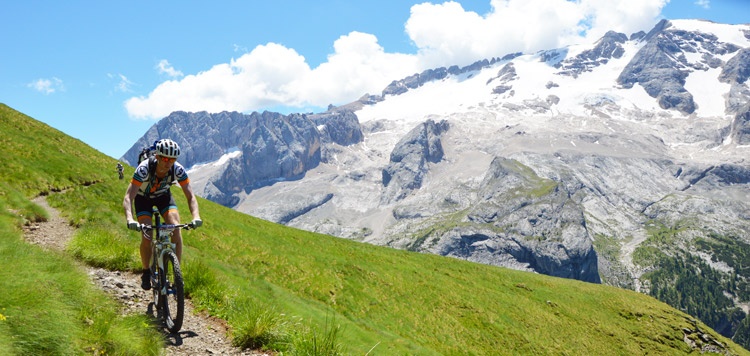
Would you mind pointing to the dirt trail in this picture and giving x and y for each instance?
(200, 334)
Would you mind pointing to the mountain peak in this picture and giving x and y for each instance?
(560, 162)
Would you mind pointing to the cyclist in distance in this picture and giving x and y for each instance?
(150, 187)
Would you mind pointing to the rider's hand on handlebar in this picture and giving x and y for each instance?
(196, 223)
(132, 225)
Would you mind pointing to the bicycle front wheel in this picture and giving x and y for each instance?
(173, 303)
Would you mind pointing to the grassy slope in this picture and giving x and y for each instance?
(47, 304)
(387, 301)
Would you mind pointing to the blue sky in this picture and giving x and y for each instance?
(106, 71)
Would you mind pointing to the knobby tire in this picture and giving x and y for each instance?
(172, 305)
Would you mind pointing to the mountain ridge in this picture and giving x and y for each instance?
(630, 132)
(247, 270)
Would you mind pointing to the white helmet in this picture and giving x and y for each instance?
(167, 148)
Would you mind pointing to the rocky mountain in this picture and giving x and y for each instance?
(596, 162)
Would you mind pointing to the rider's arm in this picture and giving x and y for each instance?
(127, 201)
(192, 201)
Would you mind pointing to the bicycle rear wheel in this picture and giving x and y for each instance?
(173, 303)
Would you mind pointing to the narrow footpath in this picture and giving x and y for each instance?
(200, 334)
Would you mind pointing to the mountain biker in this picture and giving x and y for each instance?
(150, 187)
(146, 152)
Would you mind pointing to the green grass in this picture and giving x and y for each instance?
(536, 186)
(289, 290)
(47, 304)
(310, 341)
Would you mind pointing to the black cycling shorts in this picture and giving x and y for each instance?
(143, 205)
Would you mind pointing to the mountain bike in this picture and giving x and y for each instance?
(166, 276)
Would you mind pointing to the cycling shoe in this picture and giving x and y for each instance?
(146, 280)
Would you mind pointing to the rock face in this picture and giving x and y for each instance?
(654, 69)
(341, 128)
(741, 128)
(417, 80)
(541, 230)
(608, 47)
(410, 157)
(559, 162)
(661, 66)
(273, 147)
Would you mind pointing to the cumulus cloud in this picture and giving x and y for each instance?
(47, 86)
(444, 34)
(273, 75)
(706, 4)
(359, 65)
(257, 79)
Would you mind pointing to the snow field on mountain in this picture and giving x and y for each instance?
(725, 32)
(709, 99)
(539, 112)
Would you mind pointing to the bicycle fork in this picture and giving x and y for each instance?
(159, 265)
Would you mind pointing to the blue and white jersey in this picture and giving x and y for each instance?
(154, 186)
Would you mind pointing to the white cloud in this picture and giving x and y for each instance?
(165, 68)
(272, 75)
(359, 65)
(706, 4)
(447, 34)
(257, 79)
(47, 86)
(122, 83)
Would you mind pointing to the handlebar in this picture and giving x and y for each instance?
(145, 227)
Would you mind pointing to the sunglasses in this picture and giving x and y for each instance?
(166, 159)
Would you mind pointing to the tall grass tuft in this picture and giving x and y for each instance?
(258, 327)
(311, 341)
(204, 288)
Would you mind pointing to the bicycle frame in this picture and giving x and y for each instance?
(161, 245)
(163, 253)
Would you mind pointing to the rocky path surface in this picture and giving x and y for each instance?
(200, 334)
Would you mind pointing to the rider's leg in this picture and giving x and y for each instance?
(143, 207)
(145, 242)
(173, 217)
